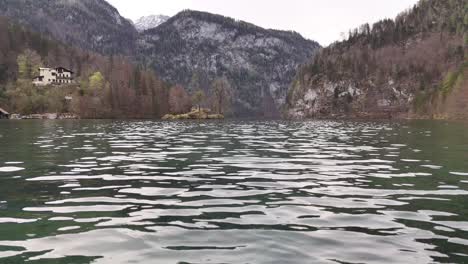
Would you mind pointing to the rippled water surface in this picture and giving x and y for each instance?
(233, 192)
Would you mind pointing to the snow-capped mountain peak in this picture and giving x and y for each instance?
(148, 22)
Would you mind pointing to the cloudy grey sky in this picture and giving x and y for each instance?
(320, 20)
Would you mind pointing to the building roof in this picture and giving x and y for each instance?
(65, 69)
(57, 68)
(2, 111)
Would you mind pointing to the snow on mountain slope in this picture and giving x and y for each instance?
(148, 22)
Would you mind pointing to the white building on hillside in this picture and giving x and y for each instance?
(57, 76)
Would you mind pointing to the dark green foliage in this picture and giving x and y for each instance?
(452, 78)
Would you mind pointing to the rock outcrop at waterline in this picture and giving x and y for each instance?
(407, 67)
(194, 114)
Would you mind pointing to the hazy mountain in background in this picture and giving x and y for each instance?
(149, 22)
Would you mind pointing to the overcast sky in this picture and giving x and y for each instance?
(320, 20)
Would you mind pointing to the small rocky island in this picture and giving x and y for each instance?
(195, 113)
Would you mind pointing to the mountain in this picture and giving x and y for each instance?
(193, 49)
(88, 24)
(414, 66)
(148, 22)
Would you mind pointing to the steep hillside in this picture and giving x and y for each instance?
(412, 66)
(89, 24)
(193, 49)
(105, 87)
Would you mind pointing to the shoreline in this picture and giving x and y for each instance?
(44, 116)
(195, 115)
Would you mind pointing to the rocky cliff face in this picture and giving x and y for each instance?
(192, 49)
(88, 24)
(408, 67)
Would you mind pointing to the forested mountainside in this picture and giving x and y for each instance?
(413, 66)
(105, 87)
(195, 49)
(88, 24)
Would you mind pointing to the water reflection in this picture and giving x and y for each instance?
(233, 192)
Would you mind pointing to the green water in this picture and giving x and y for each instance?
(233, 192)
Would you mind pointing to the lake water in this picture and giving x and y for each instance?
(233, 192)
